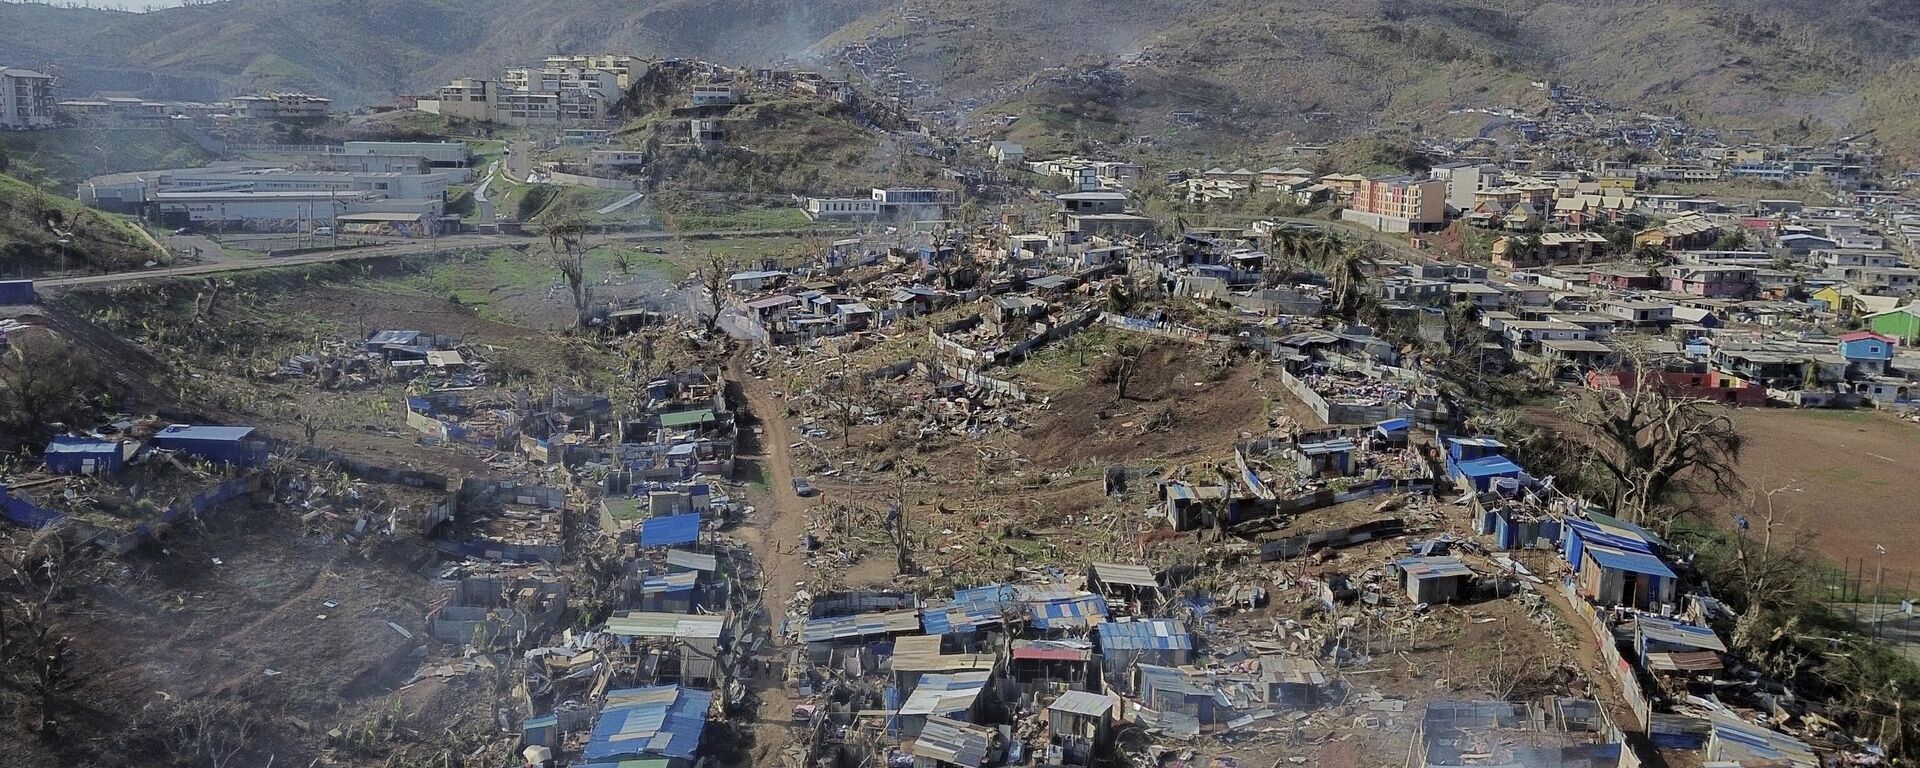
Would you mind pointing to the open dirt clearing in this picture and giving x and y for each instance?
(1856, 488)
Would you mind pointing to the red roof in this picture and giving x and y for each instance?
(1051, 654)
(1863, 335)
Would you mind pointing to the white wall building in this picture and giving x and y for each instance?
(26, 99)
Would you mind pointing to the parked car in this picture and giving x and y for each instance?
(323, 232)
(801, 487)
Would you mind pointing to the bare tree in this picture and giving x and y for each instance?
(1652, 441)
(713, 277)
(567, 251)
(38, 568)
(42, 380)
(1123, 363)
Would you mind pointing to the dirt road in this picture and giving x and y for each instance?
(779, 525)
(435, 246)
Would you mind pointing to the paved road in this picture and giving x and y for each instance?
(487, 216)
(435, 246)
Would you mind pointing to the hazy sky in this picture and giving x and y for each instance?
(133, 5)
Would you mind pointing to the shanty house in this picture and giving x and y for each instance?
(1123, 644)
(1670, 646)
(1623, 577)
(1130, 585)
(1435, 579)
(1050, 663)
(681, 646)
(1290, 682)
(1325, 458)
(221, 445)
(661, 722)
(948, 743)
(955, 695)
(1173, 691)
(67, 455)
(1081, 724)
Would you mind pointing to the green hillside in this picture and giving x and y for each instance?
(31, 223)
(57, 160)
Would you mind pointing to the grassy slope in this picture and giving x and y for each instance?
(100, 240)
(57, 160)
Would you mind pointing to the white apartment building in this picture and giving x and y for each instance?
(26, 99)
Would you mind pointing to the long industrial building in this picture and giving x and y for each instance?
(270, 198)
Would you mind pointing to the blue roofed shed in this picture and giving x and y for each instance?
(85, 456)
(670, 531)
(1622, 577)
(1394, 431)
(1058, 608)
(221, 445)
(1481, 473)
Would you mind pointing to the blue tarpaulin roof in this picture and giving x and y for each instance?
(1065, 611)
(1594, 534)
(1153, 635)
(969, 610)
(1631, 562)
(216, 434)
(1488, 466)
(662, 721)
(1394, 425)
(671, 530)
(82, 445)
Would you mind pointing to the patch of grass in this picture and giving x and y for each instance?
(744, 219)
(58, 160)
(31, 223)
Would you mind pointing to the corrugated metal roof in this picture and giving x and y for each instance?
(1062, 608)
(662, 721)
(903, 621)
(1664, 630)
(1291, 670)
(1745, 743)
(668, 582)
(1433, 567)
(1689, 661)
(1052, 650)
(670, 530)
(1127, 574)
(921, 653)
(942, 694)
(951, 741)
(218, 434)
(970, 609)
(680, 558)
(1150, 635)
(1082, 703)
(1631, 562)
(683, 626)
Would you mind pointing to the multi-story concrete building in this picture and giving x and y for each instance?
(1464, 179)
(280, 106)
(562, 92)
(26, 99)
(1398, 204)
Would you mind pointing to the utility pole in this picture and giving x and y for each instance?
(1879, 571)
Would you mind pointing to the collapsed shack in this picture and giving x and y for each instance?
(1557, 733)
